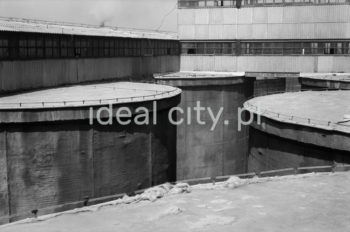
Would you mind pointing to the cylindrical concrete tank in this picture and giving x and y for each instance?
(204, 151)
(299, 129)
(55, 154)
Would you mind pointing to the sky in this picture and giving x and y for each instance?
(142, 14)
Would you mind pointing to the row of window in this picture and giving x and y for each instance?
(266, 48)
(239, 3)
(36, 46)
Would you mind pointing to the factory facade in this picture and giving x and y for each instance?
(226, 53)
(264, 36)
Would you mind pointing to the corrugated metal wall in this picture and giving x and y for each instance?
(266, 63)
(24, 75)
(284, 22)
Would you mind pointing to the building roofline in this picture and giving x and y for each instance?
(10, 24)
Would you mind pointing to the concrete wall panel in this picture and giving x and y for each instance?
(259, 31)
(292, 22)
(186, 32)
(185, 17)
(202, 32)
(230, 15)
(202, 16)
(269, 152)
(230, 32)
(245, 15)
(48, 165)
(216, 32)
(205, 153)
(266, 63)
(245, 31)
(274, 15)
(260, 15)
(4, 194)
(216, 17)
(121, 159)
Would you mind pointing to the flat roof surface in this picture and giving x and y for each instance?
(312, 202)
(88, 95)
(324, 109)
(199, 75)
(39, 26)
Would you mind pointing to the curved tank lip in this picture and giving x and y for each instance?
(88, 95)
(338, 77)
(198, 75)
(315, 109)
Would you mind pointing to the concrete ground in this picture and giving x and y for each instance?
(86, 95)
(314, 202)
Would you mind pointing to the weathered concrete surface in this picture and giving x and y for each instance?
(299, 129)
(326, 80)
(53, 159)
(268, 151)
(4, 193)
(202, 152)
(313, 203)
(265, 63)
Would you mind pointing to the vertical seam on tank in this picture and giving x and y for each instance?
(93, 160)
(7, 178)
(151, 154)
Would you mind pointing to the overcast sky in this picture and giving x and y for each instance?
(144, 14)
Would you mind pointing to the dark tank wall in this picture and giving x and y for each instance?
(270, 152)
(54, 166)
(202, 152)
(206, 153)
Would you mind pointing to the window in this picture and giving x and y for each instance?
(4, 50)
(339, 49)
(22, 46)
(239, 3)
(49, 46)
(266, 48)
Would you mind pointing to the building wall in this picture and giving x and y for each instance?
(54, 166)
(277, 22)
(26, 75)
(322, 64)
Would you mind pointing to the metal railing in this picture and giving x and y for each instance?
(291, 118)
(156, 95)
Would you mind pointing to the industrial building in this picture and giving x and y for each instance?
(228, 55)
(264, 36)
(232, 51)
(51, 157)
(37, 54)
